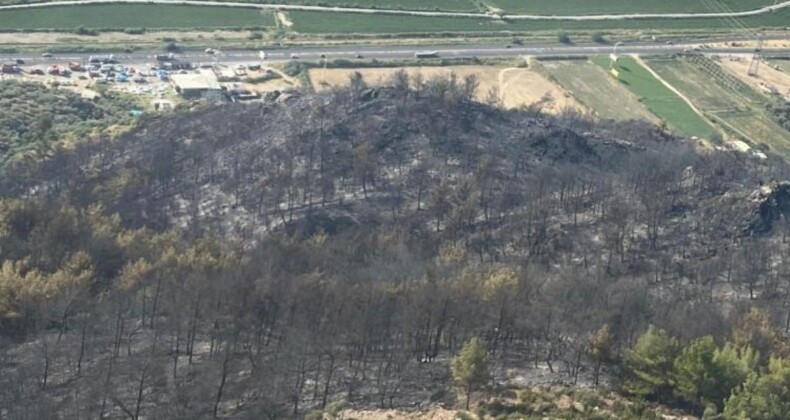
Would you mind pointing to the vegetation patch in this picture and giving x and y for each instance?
(36, 117)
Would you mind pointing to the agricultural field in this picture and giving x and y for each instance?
(322, 22)
(725, 98)
(314, 22)
(539, 7)
(597, 89)
(659, 99)
(309, 22)
(591, 7)
(119, 16)
(434, 5)
(515, 86)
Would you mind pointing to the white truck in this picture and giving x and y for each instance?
(426, 54)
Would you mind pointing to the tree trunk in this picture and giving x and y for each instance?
(222, 380)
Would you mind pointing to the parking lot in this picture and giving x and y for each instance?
(153, 80)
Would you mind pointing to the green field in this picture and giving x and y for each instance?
(583, 7)
(173, 16)
(133, 16)
(659, 99)
(324, 22)
(726, 99)
(320, 22)
(443, 5)
(597, 89)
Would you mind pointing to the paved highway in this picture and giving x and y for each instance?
(399, 52)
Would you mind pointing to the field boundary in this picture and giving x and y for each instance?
(361, 10)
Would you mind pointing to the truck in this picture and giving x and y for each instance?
(426, 54)
(103, 59)
(165, 57)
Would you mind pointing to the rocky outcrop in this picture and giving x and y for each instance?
(770, 203)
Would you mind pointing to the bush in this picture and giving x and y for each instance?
(256, 35)
(81, 30)
(463, 415)
(564, 38)
(293, 68)
(598, 37)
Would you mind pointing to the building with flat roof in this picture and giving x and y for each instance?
(203, 84)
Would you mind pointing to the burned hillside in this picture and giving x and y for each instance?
(387, 153)
(264, 260)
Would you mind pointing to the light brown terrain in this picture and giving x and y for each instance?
(767, 76)
(515, 86)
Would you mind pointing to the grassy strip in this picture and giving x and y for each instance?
(120, 16)
(347, 23)
(658, 98)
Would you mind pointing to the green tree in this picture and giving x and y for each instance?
(764, 397)
(733, 366)
(470, 368)
(754, 329)
(601, 349)
(650, 363)
(695, 373)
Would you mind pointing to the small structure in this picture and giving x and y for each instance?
(162, 105)
(241, 94)
(9, 68)
(90, 95)
(203, 84)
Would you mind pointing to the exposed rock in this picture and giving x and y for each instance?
(770, 203)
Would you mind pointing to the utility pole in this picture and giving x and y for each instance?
(613, 56)
(323, 72)
(754, 67)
